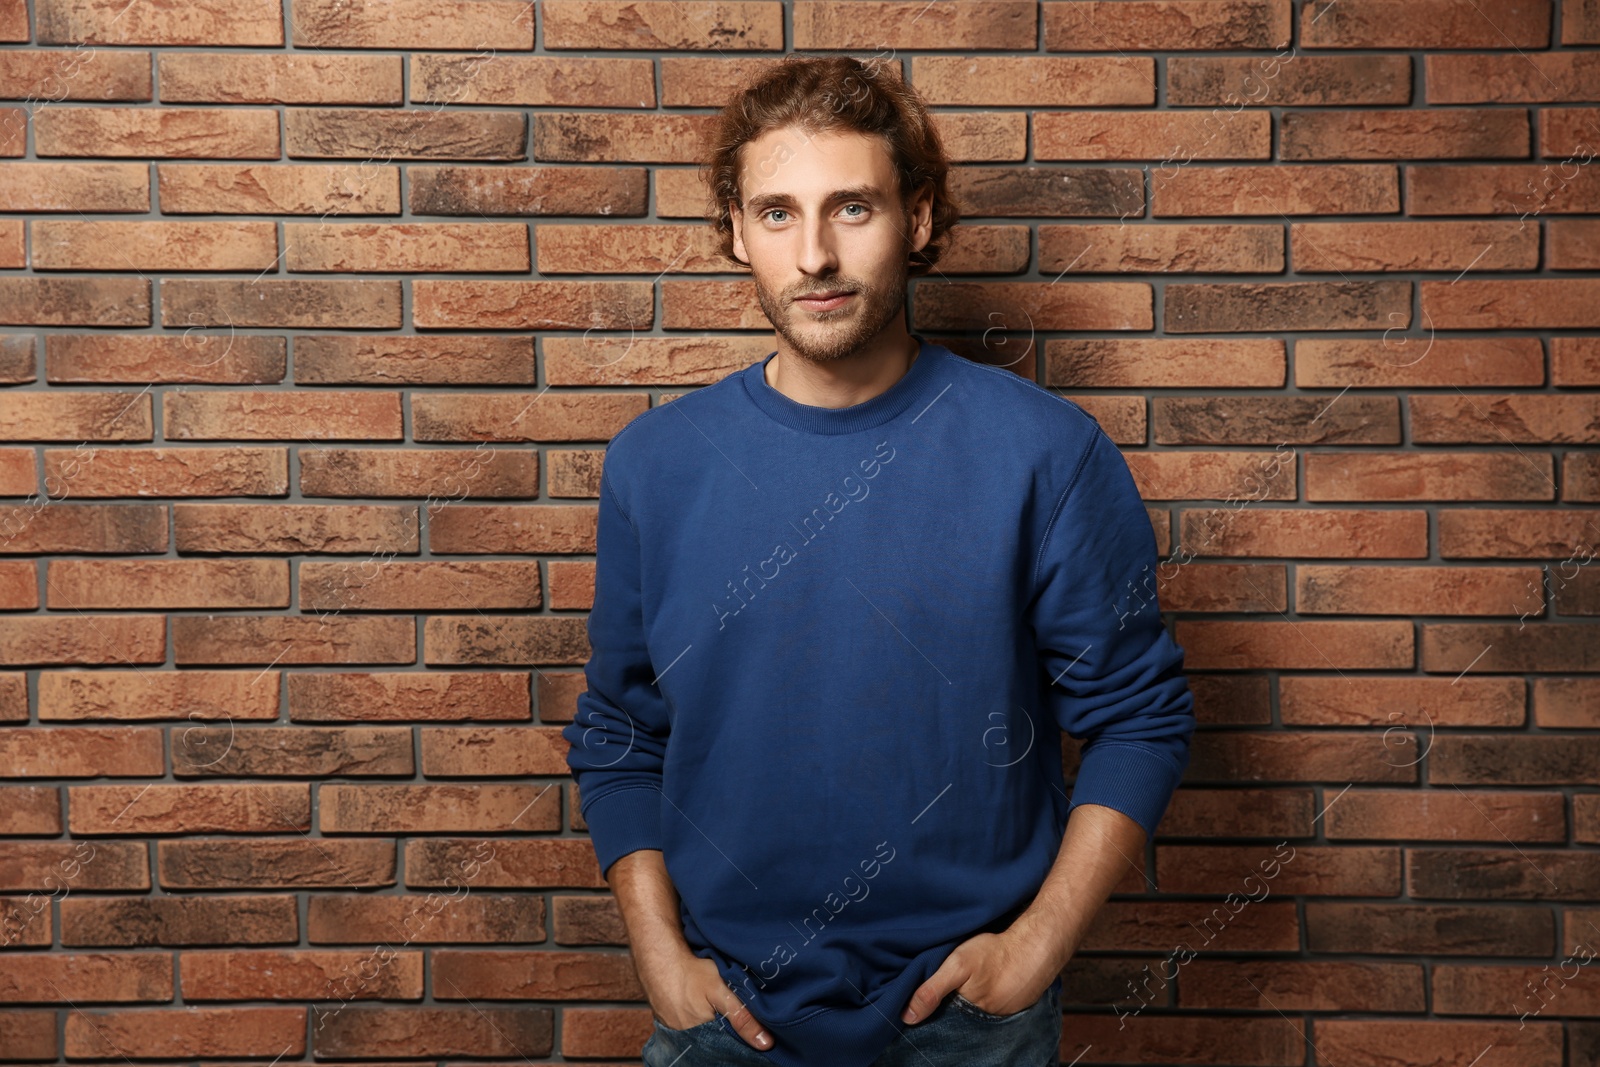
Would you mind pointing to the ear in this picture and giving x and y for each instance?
(920, 213)
(736, 217)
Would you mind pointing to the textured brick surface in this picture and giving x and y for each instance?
(316, 317)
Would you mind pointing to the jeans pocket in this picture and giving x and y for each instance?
(966, 1007)
(714, 1021)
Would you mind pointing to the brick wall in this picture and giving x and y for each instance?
(318, 314)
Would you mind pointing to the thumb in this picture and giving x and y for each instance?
(927, 996)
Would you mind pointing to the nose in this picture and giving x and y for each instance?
(817, 254)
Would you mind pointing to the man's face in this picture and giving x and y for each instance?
(822, 213)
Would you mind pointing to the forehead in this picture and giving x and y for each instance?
(808, 167)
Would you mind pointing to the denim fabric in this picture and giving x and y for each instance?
(957, 1034)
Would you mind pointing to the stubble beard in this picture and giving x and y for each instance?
(820, 338)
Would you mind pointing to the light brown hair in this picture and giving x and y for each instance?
(818, 94)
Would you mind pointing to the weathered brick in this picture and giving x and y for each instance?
(426, 918)
(186, 1033)
(1436, 929)
(178, 920)
(56, 978)
(510, 417)
(1349, 305)
(1492, 418)
(1423, 1040)
(1428, 476)
(1416, 703)
(432, 1032)
(211, 23)
(292, 639)
(1391, 362)
(423, 586)
(1425, 24)
(266, 78)
(987, 25)
(267, 863)
(612, 137)
(48, 75)
(503, 864)
(275, 416)
(1176, 248)
(412, 809)
(1275, 420)
(301, 974)
(354, 696)
(387, 134)
(219, 358)
(1298, 81)
(410, 247)
(1512, 77)
(498, 25)
(1533, 303)
(113, 301)
(1152, 135)
(281, 303)
(1031, 81)
(1455, 133)
(488, 191)
(166, 132)
(1168, 25)
(533, 81)
(1413, 246)
(1280, 189)
(663, 25)
(192, 809)
(277, 189)
(1425, 590)
(296, 528)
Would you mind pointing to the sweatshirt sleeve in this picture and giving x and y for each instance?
(1114, 673)
(617, 740)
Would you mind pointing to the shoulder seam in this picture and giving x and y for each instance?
(1028, 384)
(1055, 513)
(608, 481)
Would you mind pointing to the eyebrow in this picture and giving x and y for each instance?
(855, 192)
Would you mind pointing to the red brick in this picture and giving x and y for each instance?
(328, 696)
(498, 25)
(981, 25)
(265, 78)
(191, 809)
(661, 25)
(533, 81)
(211, 23)
(1297, 645)
(166, 132)
(1429, 476)
(1166, 25)
(1425, 24)
(1030, 81)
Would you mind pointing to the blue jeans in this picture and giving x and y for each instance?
(957, 1034)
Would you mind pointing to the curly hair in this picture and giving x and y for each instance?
(832, 93)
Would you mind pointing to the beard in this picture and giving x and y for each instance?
(820, 337)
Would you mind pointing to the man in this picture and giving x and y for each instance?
(846, 601)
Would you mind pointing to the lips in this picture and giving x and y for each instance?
(826, 300)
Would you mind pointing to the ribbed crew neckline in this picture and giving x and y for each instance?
(912, 386)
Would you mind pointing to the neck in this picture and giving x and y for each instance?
(847, 381)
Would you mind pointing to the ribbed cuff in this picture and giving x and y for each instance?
(623, 821)
(1133, 778)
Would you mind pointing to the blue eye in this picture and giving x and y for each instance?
(770, 212)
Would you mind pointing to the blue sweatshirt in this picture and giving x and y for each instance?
(833, 652)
